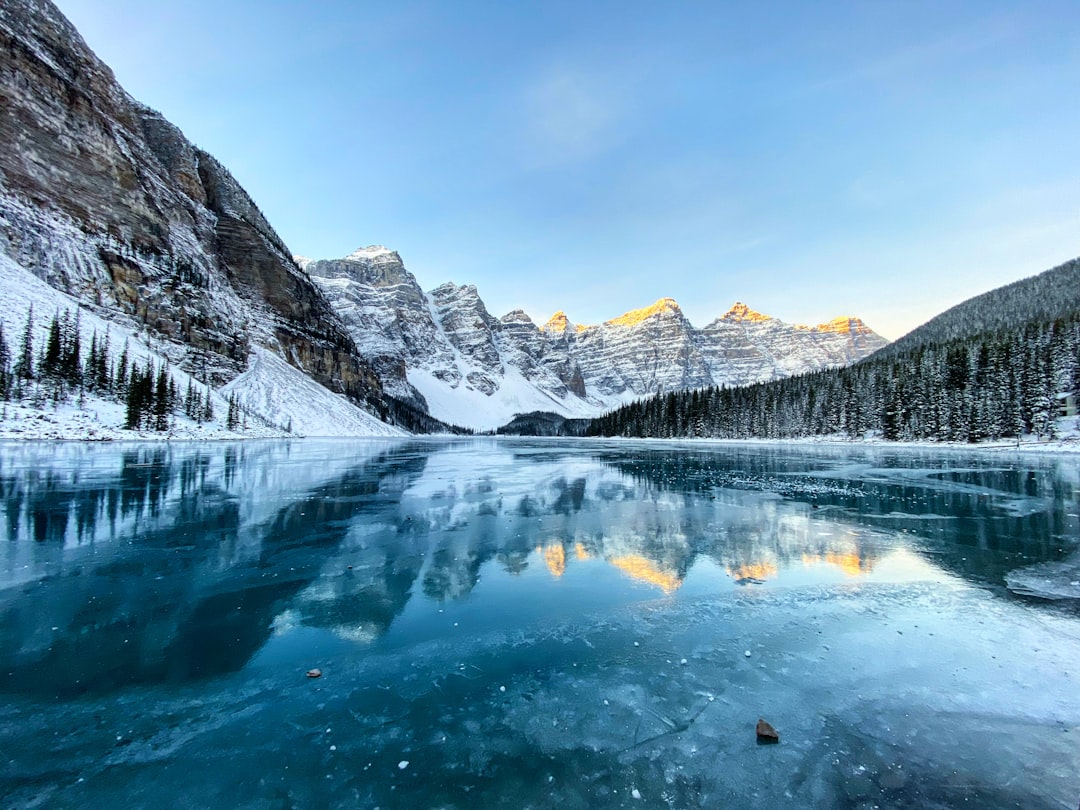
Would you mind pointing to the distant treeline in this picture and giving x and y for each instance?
(1001, 383)
(395, 411)
(543, 423)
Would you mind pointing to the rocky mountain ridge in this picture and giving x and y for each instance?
(444, 350)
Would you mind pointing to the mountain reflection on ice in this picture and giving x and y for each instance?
(532, 623)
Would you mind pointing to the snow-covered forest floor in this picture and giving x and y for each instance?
(1067, 440)
(103, 420)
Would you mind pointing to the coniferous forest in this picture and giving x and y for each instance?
(981, 370)
(64, 369)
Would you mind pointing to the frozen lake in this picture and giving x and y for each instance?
(531, 624)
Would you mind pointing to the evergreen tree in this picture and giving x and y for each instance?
(102, 370)
(232, 419)
(71, 361)
(24, 366)
(161, 401)
(190, 401)
(50, 361)
(92, 362)
(5, 367)
(121, 385)
(134, 400)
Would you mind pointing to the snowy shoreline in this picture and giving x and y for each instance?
(69, 424)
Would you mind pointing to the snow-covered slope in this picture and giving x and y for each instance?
(287, 397)
(444, 349)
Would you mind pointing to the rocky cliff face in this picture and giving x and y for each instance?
(444, 348)
(103, 198)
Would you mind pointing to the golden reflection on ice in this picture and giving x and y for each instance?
(580, 552)
(761, 570)
(850, 563)
(643, 570)
(555, 559)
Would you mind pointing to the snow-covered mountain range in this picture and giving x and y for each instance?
(107, 210)
(443, 349)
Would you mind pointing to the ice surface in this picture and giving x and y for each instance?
(1050, 580)
(532, 624)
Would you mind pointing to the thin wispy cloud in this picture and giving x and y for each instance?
(570, 114)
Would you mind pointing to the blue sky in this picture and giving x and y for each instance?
(885, 160)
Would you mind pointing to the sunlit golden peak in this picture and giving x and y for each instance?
(844, 325)
(636, 316)
(741, 312)
(558, 323)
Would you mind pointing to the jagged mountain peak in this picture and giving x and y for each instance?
(844, 325)
(516, 316)
(741, 312)
(663, 306)
(450, 292)
(558, 323)
(370, 252)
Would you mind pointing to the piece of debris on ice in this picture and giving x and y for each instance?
(314, 673)
(765, 732)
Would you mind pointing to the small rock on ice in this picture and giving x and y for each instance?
(314, 673)
(635, 793)
(765, 732)
(403, 764)
(747, 653)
